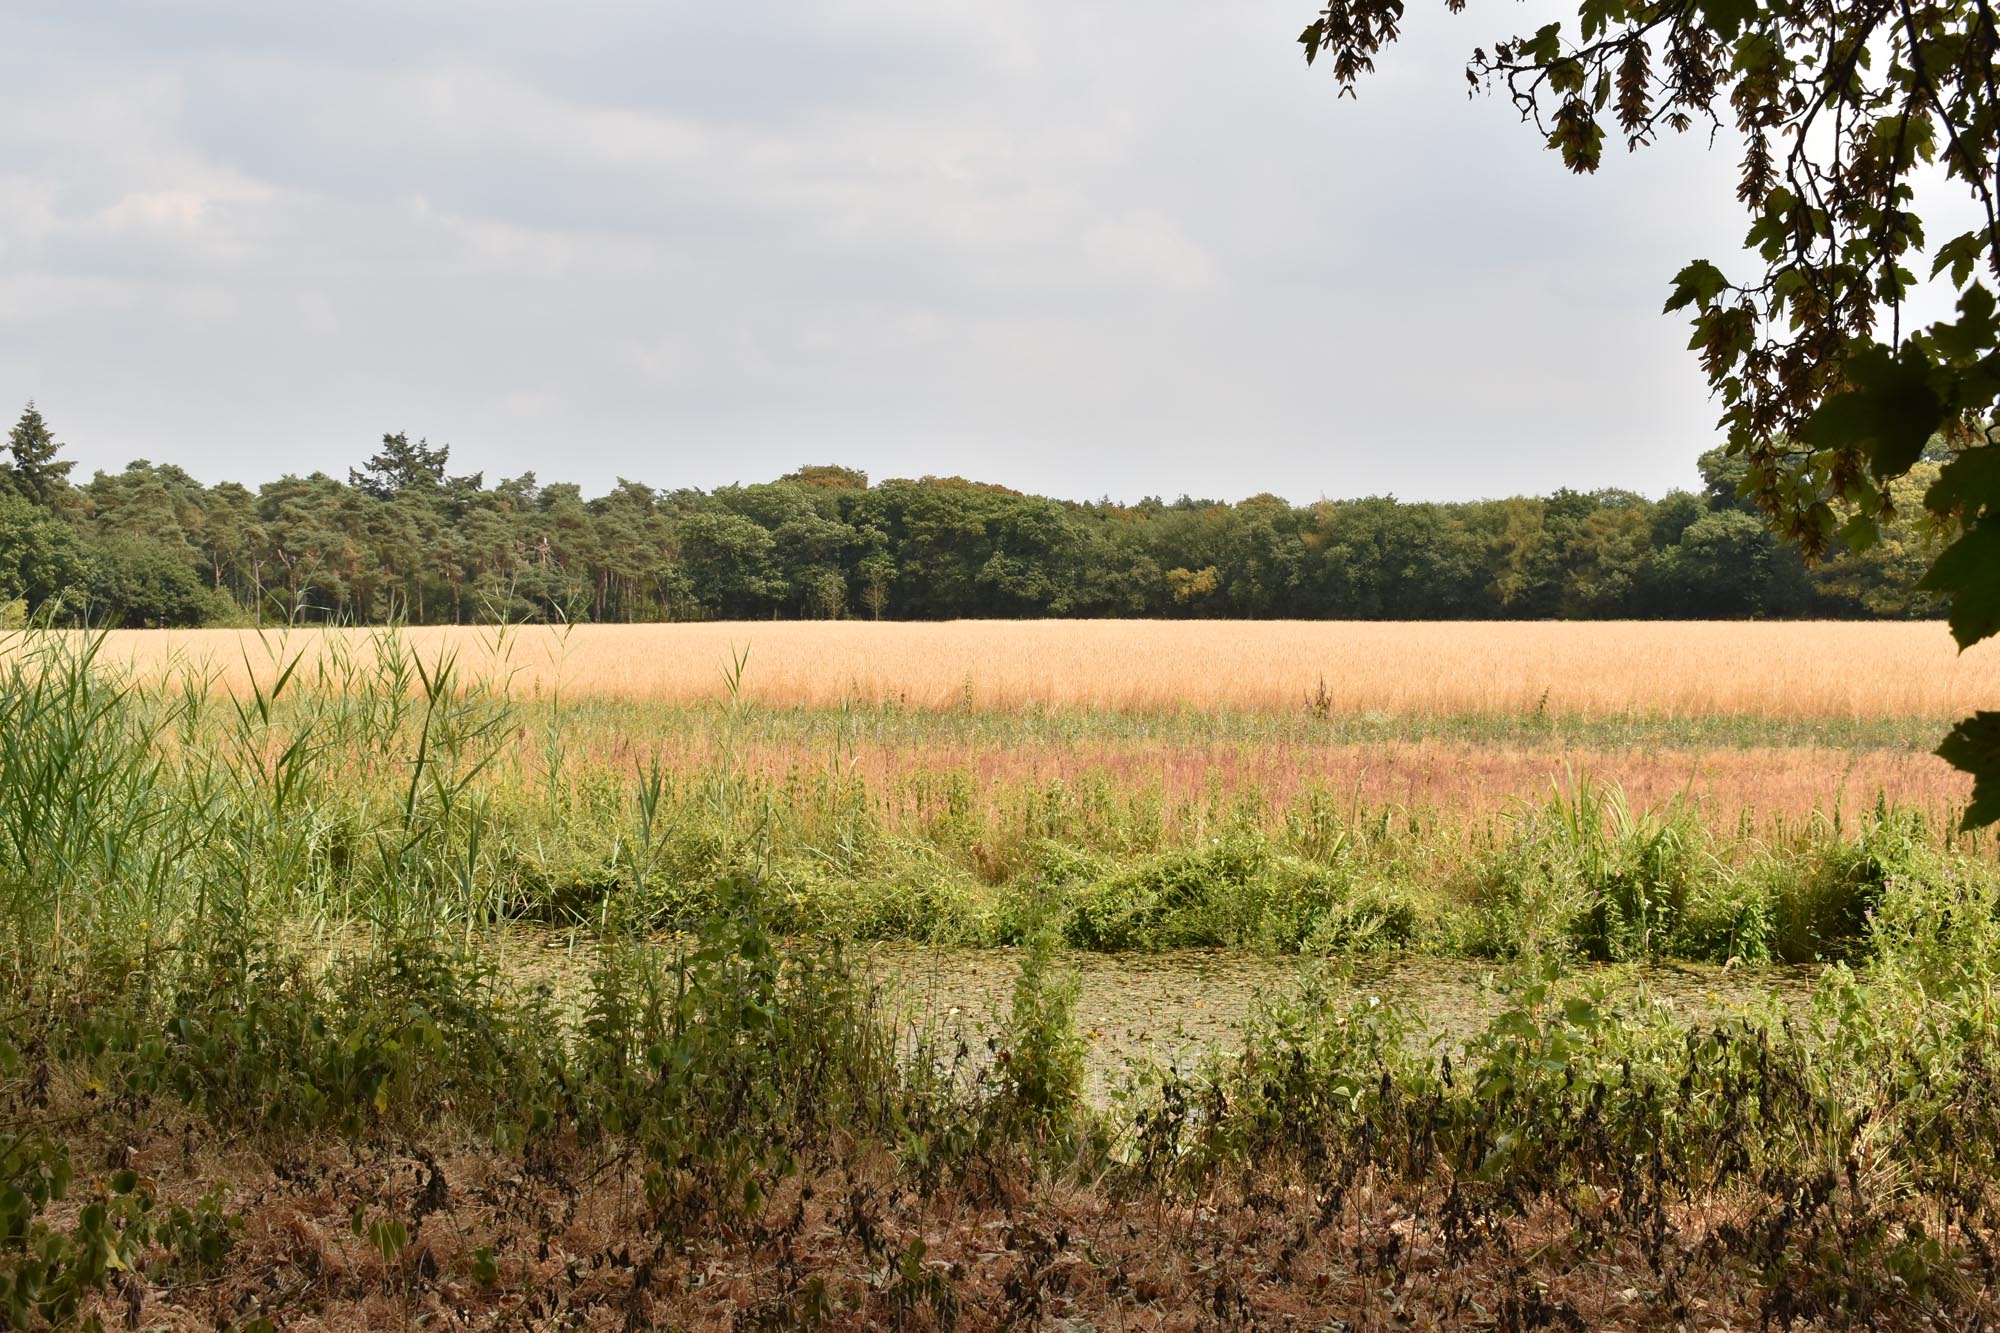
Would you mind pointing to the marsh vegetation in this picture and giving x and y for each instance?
(388, 986)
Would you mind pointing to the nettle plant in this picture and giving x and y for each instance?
(1849, 115)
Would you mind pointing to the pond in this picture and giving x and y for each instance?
(1171, 1007)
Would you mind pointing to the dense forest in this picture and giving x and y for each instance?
(403, 538)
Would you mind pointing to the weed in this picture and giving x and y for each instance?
(276, 917)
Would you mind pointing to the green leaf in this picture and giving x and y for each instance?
(1889, 410)
(1579, 1012)
(1974, 331)
(1974, 747)
(1697, 284)
(1311, 39)
(1960, 254)
(1969, 574)
(1727, 17)
(388, 1237)
(1545, 45)
(1968, 484)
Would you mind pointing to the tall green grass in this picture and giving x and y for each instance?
(383, 791)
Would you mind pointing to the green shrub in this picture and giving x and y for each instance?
(1040, 1055)
(1725, 918)
(727, 1059)
(1201, 897)
(1373, 916)
(917, 899)
(1825, 906)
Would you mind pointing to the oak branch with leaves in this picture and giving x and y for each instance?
(1842, 112)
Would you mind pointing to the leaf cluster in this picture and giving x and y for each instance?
(1841, 111)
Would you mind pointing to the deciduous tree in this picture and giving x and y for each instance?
(1852, 119)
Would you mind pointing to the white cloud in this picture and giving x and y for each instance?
(1077, 247)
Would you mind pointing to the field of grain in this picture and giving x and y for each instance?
(1789, 670)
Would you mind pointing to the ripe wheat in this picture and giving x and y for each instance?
(1784, 670)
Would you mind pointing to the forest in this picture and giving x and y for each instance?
(405, 540)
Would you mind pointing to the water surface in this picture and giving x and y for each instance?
(1172, 1007)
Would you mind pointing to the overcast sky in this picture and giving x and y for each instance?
(1079, 248)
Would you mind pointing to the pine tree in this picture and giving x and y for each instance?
(401, 466)
(34, 472)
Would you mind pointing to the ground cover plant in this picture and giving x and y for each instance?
(271, 1059)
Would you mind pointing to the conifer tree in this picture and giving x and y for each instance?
(32, 471)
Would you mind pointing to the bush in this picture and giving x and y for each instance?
(1039, 1053)
(1825, 907)
(141, 584)
(1202, 897)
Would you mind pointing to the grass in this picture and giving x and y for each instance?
(604, 720)
(379, 787)
(265, 1062)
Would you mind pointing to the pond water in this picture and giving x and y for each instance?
(1171, 1007)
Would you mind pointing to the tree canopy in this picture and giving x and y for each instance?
(1849, 118)
(404, 539)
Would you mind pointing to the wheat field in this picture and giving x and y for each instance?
(1676, 669)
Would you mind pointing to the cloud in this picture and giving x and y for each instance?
(1075, 247)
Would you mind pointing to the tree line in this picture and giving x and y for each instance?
(403, 538)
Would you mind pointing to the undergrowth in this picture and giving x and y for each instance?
(271, 921)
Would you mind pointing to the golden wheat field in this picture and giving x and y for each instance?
(1783, 670)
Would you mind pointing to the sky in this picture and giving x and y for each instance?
(1083, 249)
